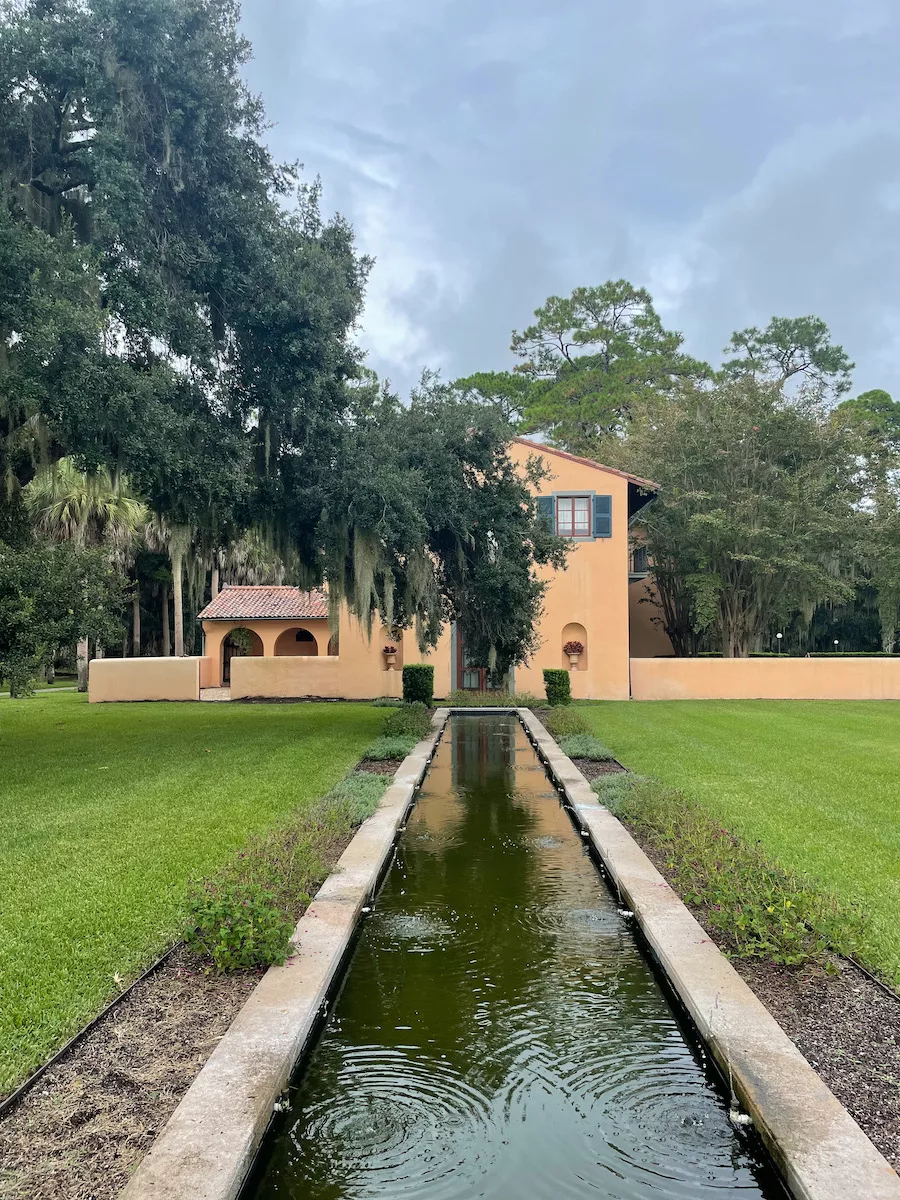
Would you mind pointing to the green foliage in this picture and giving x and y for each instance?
(557, 686)
(467, 699)
(762, 909)
(418, 684)
(443, 523)
(790, 348)
(50, 596)
(386, 702)
(409, 721)
(757, 512)
(565, 721)
(385, 749)
(242, 638)
(585, 745)
(114, 898)
(237, 927)
(590, 357)
(244, 916)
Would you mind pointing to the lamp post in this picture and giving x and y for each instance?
(779, 636)
(836, 644)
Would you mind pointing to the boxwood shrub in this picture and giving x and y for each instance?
(557, 686)
(418, 684)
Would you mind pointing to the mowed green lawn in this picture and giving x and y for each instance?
(106, 811)
(816, 782)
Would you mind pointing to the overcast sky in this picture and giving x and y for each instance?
(740, 158)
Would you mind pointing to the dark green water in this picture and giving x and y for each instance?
(499, 1033)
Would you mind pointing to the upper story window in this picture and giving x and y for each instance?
(573, 516)
(584, 516)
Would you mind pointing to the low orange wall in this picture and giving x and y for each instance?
(765, 679)
(116, 679)
(293, 676)
(209, 672)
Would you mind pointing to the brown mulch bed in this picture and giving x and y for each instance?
(377, 766)
(593, 770)
(87, 1123)
(846, 1027)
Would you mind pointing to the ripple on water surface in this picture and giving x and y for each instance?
(499, 1033)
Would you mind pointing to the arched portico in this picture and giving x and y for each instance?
(296, 642)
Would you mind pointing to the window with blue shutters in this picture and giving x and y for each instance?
(581, 516)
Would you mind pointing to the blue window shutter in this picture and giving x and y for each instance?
(602, 516)
(546, 510)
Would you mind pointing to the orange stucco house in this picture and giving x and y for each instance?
(596, 601)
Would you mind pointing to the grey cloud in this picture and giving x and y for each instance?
(736, 156)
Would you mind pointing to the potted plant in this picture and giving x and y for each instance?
(390, 656)
(574, 651)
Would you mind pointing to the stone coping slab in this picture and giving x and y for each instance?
(207, 1147)
(821, 1151)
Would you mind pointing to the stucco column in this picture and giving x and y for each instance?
(268, 635)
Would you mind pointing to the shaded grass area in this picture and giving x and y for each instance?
(814, 782)
(107, 811)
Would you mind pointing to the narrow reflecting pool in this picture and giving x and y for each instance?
(500, 1033)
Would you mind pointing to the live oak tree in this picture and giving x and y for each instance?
(442, 526)
(756, 515)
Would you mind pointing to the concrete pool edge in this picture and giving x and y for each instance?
(821, 1151)
(207, 1147)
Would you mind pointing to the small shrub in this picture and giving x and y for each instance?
(585, 745)
(356, 797)
(466, 699)
(557, 686)
(386, 702)
(762, 909)
(244, 915)
(238, 926)
(565, 722)
(408, 721)
(386, 748)
(418, 684)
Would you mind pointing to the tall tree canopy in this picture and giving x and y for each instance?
(177, 308)
(590, 357)
(789, 349)
(755, 520)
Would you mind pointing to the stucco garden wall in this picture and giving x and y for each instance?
(298, 675)
(765, 678)
(115, 679)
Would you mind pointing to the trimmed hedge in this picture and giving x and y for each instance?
(418, 684)
(557, 686)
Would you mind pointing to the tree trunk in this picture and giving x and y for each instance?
(136, 620)
(166, 638)
(214, 581)
(177, 571)
(82, 658)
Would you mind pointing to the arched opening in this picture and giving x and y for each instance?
(296, 643)
(239, 643)
(577, 634)
(334, 645)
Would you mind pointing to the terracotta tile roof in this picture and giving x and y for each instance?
(265, 603)
(589, 462)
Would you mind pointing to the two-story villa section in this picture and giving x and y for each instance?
(588, 602)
